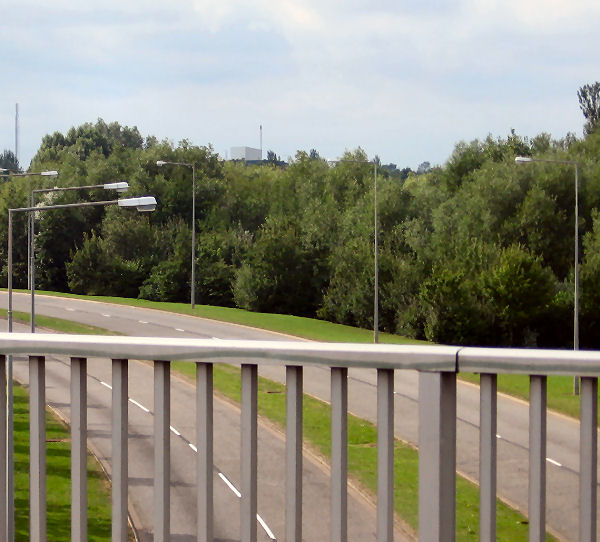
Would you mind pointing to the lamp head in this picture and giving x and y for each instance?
(143, 204)
(121, 186)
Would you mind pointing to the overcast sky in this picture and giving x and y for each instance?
(403, 79)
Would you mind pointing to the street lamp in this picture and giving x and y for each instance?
(161, 163)
(526, 160)
(120, 186)
(142, 204)
(9, 173)
(376, 245)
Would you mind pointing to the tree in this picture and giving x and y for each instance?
(589, 101)
(9, 161)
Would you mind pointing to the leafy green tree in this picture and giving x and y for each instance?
(520, 290)
(589, 102)
(9, 161)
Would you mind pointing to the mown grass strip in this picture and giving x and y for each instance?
(560, 388)
(362, 456)
(58, 457)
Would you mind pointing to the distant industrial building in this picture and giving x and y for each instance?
(246, 153)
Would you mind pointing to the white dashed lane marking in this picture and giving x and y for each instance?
(142, 322)
(553, 462)
(179, 329)
(195, 449)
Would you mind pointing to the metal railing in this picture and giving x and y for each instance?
(438, 366)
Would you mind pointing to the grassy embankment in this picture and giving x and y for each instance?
(362, 454)
(58, 465)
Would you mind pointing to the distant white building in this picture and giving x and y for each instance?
(245, 153)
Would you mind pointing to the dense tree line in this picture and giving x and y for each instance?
(477, 251)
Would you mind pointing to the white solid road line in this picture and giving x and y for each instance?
(138, 405)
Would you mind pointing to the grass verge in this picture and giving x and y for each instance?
(362, 456)
(362, 453)
(560, 388)
(58, 456)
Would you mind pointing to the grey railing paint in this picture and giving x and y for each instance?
(438, 366)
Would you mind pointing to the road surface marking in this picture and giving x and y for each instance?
(266, 528)
(138, 405)
(230, 485)
(221, 475)
(106, 315)
(553, 462)
(142, 321)
(498, 436)
(70, 310)
(239, 496)
(179, 329)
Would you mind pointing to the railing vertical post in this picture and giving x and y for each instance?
(437, 457)
(204, 443)
(162, 450)
(249, 452)
(537, 458)
(3, 442)
(78, 449)
(588, 459)
(120, 420)
(488, 407)
(37, 449)
(339, 454)
(293, 444)
(385, 455)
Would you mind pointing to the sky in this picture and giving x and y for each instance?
(403, 79)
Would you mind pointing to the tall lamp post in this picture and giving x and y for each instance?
(10, 174)
(193, 166)
(376, 244)
(120, 186)
(142, 204)
(526, 160)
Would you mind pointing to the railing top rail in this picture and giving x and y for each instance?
(529, 361)
(419, 357)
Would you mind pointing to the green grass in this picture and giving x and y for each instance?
(308, 328)
(58, 480)
(560, 391)
(58, 324)
(362, 453)
(560, 388)
(362, 456)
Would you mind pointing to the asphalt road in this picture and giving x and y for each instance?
(563, 433)
(271, 475)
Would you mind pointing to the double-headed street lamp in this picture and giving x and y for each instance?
(9, 174)
(526, 160)
(193, 166)
(376, 244)
(142, 204)
(120, 186)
